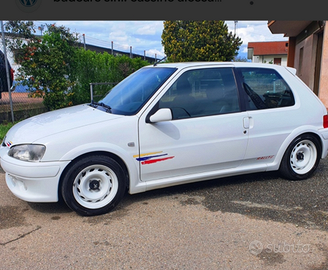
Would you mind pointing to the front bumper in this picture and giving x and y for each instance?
(33, 181)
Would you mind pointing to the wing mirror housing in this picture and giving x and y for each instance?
(161, 115)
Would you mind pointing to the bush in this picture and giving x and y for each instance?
(4, 128)
(93, 67)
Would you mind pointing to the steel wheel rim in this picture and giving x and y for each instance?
(303, 157)
(95, 186)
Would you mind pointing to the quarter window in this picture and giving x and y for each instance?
(265, 89)
(202, 92)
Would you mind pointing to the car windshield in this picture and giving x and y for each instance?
(132, 93)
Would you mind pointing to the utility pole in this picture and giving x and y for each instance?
(235, 26)
(84, 45)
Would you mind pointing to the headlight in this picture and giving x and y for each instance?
(27, 152)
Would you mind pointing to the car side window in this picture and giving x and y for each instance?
(202, 92)
(265, 89)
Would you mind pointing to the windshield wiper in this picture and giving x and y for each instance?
(95, 104)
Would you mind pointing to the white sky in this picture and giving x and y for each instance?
(146, 35)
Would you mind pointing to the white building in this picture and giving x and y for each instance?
(273, 52)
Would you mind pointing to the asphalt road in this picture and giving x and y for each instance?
(257, 221)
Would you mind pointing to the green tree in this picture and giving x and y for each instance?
(52, 66)
(199, 41)
(240, 59)
(45, 62)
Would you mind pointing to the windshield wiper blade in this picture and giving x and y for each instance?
(95, 104)
(105, 106)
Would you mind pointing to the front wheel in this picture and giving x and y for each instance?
(301, 158)
(93, 185)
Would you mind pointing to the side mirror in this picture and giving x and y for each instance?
(161, 115)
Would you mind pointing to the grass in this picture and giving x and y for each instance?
(4, 129)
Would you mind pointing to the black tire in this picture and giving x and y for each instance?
(301, 158)
(93, 185)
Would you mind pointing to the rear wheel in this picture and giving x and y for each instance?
(301, 158)
(93, 185)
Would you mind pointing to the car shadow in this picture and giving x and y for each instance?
(50, 208)
(191, 188)
(263, 196)
(202, 187)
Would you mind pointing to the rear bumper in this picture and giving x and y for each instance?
(324, 141)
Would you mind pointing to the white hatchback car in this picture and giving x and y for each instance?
(165, 125)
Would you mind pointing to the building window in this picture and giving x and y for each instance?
(277, 61)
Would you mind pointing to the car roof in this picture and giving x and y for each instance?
(182, 65)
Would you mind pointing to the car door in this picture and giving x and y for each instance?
(271, 112)
(206, 133)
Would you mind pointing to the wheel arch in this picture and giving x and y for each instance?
(115, 157)
(275, 165)
(301, 157)
(291, 138)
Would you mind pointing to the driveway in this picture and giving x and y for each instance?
(249, 222)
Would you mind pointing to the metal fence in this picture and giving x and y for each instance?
(15, 101)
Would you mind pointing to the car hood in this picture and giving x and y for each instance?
(54, 122)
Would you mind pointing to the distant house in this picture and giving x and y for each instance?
(307, 52)
(274, 52)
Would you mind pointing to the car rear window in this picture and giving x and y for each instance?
(265, 89)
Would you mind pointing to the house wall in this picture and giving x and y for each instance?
(269, 59)
(307, 52)
(305, 55)
(323, 86)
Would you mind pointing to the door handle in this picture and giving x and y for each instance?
(248, 122)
